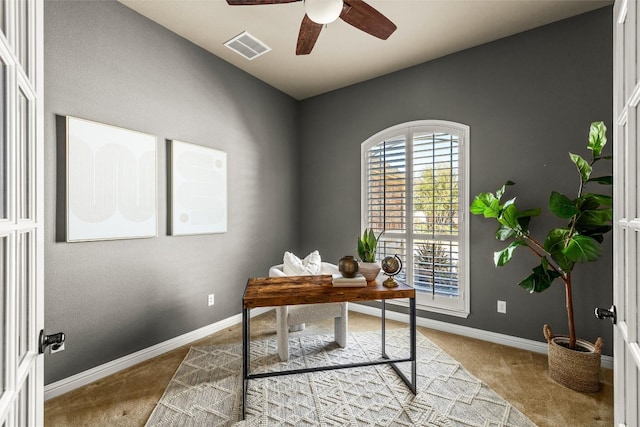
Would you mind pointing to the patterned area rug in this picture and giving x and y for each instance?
(206, 388)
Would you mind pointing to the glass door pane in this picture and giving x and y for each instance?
(23, 35)
(24, 277)
(4, 145)
(24, 152)
(4, 277)
(23, 404)
(3, 14)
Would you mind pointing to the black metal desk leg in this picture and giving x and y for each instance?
(412, 328)
(384, 323)
(246, 341)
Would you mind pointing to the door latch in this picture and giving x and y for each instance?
(604, 313)
(54, 340)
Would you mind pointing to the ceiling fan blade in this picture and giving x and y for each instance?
(366, 18)
(309, 32)
(257, 2)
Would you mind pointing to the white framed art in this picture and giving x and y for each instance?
(198, 189)
(111, 182)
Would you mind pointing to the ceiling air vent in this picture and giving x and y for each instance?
(247, 45)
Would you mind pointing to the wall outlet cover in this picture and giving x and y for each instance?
(502, 306)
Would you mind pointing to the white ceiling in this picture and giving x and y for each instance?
(344, 55)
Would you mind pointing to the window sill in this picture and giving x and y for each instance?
(440, 310)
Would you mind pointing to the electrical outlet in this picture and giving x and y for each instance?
(57, 350)
(211, 299)
(502, 306)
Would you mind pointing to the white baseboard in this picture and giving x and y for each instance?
(83, 378)
(508, 340)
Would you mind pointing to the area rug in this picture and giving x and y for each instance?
(206, 388)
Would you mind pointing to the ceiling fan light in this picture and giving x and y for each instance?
(323, 11)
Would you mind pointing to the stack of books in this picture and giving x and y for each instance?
(349, 282)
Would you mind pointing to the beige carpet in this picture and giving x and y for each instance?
(206, 389)
(128, 398)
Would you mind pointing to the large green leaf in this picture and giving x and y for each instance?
(485, 204)
(509, 217)
(539, 280)
(563, 262)
(524, 221)
(503, 233)
(596, 234)
(555, 240)
(561, 205)
(605, 180)
(529, 213)
(593, 201)
(582, 249)
(582, 165)
(509, 203)
(502, 257)
(595, 218)
(502, 189)
(555, 244)
(597, 137)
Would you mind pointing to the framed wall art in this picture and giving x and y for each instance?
(198, 189)
(111, 182)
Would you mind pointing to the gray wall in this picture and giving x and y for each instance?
(106, 63)
(528, 100)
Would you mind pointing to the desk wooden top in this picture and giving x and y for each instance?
(294, 290)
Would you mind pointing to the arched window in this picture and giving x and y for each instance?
(415, 192)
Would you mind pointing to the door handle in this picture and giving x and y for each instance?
(54, 340)
(604, 313)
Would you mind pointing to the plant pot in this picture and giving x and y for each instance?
(369, 270)
(576, 369)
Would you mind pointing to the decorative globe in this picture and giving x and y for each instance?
(391, 266)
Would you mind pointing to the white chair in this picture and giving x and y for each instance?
(292, 318)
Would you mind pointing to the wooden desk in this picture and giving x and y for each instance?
(295, 290)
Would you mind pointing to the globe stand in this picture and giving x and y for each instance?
(391, 267)
(390, 282)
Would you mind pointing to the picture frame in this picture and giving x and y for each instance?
(111, 182)
(198, 181)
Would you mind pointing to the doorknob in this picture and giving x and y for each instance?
(603, 313)
(55, 341)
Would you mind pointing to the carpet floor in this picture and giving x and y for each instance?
(206, 389)
(128, 397)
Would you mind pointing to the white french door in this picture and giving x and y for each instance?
(626, 98)
(21, 212)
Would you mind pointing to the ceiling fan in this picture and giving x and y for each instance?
(321, 12)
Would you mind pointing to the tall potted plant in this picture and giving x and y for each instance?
(589, 217)
(367, 246)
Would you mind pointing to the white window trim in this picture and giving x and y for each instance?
(460, 307)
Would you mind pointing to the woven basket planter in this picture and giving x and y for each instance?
(576, 369)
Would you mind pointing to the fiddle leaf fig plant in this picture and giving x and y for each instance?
(589, 218)
(367, 245)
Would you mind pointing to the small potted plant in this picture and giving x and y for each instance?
(367, 245)
(573, 362)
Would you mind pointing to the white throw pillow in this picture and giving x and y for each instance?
(309, 266)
